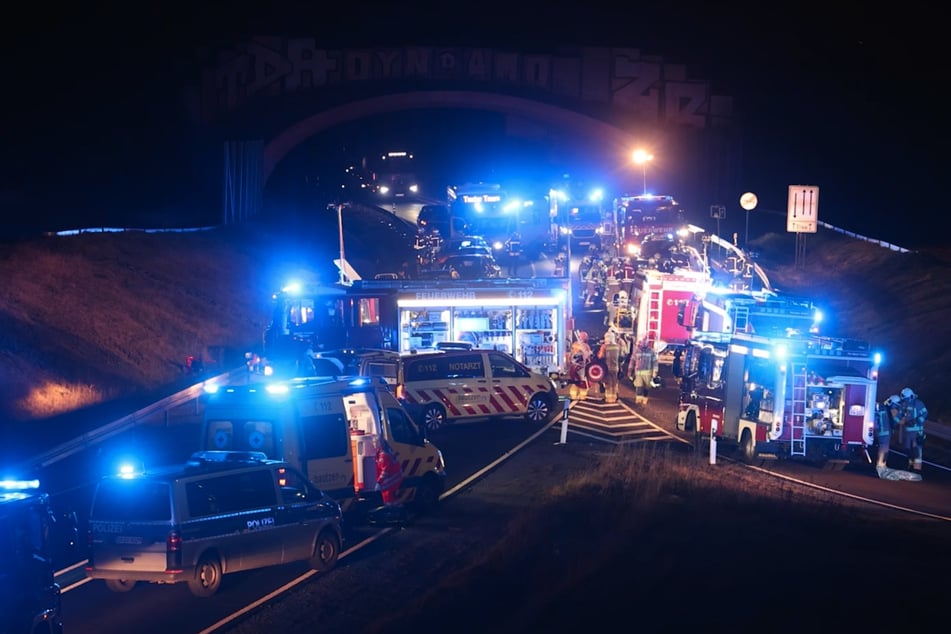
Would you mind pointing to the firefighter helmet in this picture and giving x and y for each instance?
(908, 393)
(892, 400)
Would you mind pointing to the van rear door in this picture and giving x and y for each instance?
(130, 521)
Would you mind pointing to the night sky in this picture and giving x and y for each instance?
(845, 99)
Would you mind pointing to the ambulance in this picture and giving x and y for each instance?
(330, 429)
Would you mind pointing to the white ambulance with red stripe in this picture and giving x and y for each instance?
(443, 386)
(330, 429)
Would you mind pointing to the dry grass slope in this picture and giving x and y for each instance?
(655, 538)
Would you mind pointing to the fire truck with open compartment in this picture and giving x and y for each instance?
(758, 377)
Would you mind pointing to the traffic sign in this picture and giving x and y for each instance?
(802, 215)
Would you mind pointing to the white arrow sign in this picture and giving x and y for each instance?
(802, 214)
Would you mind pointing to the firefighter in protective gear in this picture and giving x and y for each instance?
(887, 415)
(643, 370)
(389, 477)
(579, 358)
(913, 417)
(610, 354)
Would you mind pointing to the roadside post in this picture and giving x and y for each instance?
(564, 420)
(713, 441)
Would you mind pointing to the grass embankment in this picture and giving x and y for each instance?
(648, 539)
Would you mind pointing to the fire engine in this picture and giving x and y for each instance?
(757, 375)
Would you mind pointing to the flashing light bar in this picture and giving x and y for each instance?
(554, 300)
(19, 485)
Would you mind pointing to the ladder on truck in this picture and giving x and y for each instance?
(797, 446)
(653, 315)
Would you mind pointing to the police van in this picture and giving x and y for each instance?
(219, 513)
(453, 385)
(331, 429)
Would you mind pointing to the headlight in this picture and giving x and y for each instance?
(384, 189)
(414, 188)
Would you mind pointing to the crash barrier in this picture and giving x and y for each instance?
(99, 434)
(852, 234)
(76, 232)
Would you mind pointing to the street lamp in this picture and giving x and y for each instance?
(642, 158)
(748, 202)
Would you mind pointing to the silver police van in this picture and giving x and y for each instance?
(221, 512)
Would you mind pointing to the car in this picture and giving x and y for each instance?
(463, 246)
(434, 219)
(472, 266)
(220, 512)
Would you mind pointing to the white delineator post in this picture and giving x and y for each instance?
(713, 441)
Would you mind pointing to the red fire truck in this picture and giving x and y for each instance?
(758, 377)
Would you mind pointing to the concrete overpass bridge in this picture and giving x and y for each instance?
(260, 99)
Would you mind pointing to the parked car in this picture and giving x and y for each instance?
(472, 266)
(433, 219)
(463, 246)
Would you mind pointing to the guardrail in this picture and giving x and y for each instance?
(99, 434)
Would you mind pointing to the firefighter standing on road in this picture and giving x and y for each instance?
(579, 358)
(887, 415)
(610, 353)
(642, 370)
(913, 417)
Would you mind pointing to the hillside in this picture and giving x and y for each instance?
(91, 318)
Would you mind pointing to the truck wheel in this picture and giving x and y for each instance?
(748, 447)
(207, 578)
(539, 410)
(326, 551)
(434, 416)
(691, 423)
(120, 585)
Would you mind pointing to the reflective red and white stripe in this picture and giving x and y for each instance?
(494, 401)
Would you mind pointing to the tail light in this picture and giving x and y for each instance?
(173, 552)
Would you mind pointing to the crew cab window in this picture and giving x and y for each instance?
(505, 367)
(402, 428)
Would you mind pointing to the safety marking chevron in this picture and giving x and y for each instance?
(615, 422)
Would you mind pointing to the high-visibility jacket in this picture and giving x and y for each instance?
(915, 415)
(389, 473)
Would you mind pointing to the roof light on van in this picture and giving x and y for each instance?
(359, 381)
(211, 387)
(19, 485)
(127, 471)
(277, 388)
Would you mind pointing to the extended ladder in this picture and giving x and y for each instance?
(798, 402)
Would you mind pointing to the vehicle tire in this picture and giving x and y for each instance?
(207, 578)
(426, 499)
(539, 409)
(326, 551)
(120, 585)
(434, 416)
(691, 423)
(748, 447)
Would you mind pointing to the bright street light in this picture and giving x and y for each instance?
(642, 158)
